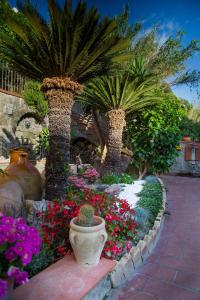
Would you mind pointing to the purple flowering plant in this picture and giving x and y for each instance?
(18, 243)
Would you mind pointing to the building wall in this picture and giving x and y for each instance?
(188, 160)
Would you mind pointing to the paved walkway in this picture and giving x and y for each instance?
(172, 272)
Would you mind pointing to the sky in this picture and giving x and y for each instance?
(170, 15)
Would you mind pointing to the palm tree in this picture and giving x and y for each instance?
(63, 52)
(115, 97)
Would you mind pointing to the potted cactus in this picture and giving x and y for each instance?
(87, 236)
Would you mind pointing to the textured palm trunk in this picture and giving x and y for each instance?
(115, 124)
(60, 95)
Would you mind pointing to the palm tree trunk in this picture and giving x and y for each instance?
(98, 128)
(60, 95)
(115, 120)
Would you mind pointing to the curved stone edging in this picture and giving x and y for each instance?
(127, 265)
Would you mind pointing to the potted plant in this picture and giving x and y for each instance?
(18, 243)
(87, 236)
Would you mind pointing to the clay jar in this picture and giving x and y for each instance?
(27, 176)
(11, 196)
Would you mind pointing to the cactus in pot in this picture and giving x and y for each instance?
(87, 236)
(86, 216)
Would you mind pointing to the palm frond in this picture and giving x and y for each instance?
(73, 43)
(118, 92)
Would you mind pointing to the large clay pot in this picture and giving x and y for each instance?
(11, 197)
(186, 138)
(88, 242)
(26, 174)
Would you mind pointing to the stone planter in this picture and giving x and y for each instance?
(88, 242)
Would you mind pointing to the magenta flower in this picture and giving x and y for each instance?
(22, 227)
(3, 288)
(2, 239)
(19, 243)
(20, 277)
(10, 254)
(7, 220)
(26, 257)
(20, 248)
(20, 221)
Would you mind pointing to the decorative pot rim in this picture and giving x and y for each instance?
(86, 229)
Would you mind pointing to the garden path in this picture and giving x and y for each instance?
(172, 272)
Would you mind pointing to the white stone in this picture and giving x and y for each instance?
(130, 191)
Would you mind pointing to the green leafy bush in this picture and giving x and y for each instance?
(126, 178)
(191, 128)
(151, 199)
(43, 142)
(116, 179)
(110, 179)
(42, 261)
(154, 134)
(35, 98)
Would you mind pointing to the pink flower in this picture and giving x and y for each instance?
(10, 254)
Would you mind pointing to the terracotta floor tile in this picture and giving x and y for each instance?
(177, 255)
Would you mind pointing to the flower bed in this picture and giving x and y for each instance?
(119, 216)
(126, 227)
(122, 271)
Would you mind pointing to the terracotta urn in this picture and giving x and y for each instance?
(25, 174)
(186, 138)
(11, 196)
(88, 242)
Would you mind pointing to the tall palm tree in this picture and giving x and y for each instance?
(63, 52)
(115, 97)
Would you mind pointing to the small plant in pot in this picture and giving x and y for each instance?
(87, 236)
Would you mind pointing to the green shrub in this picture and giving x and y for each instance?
(116, 179)
(43, 142)
(151, 199)
(110, 179)
(126, 178)
(35, 98)
(41, 261)
(154, 134)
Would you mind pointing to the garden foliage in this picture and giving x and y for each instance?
(116, 179)
(151, 200)
(154, 134)
(35, 98)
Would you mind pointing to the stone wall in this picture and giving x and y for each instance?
(18, 125)
(183, 166)
(12, 109)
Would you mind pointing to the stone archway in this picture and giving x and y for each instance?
(13, 110)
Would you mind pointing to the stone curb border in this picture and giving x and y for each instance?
(130, 262)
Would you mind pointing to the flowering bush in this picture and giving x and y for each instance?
(120, 223)
(18, 243)
(77, 182)
(91, 175)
